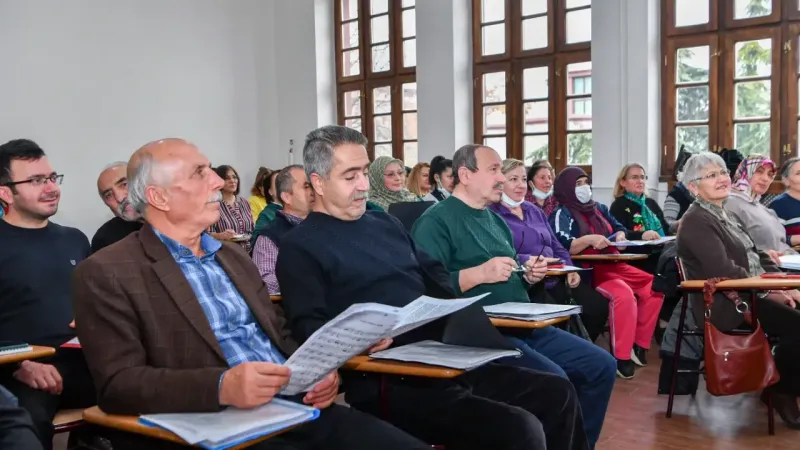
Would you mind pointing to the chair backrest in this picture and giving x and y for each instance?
(681, 269)
(408, 212)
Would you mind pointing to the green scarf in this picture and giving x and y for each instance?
(651, 222)
(378, 193)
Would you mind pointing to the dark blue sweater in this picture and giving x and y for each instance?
(326, 264)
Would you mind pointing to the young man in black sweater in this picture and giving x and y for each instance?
(112, 185)
(38, 258)
(342, 255)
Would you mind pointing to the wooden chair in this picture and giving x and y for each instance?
(682, 332)
(67, 420)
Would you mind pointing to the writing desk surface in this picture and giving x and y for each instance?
(37, 351)
(532, 324)
(746, 283)
(131, 424)
(366, 364)
(609, 258)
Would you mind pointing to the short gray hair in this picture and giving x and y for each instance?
(113, 165)
(147, 172)
(465, 157)
(695, 165)
(320, 144)
(284, 180)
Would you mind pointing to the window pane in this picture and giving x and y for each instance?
(692, 103)
(382, 100)
(494, 87)
(752, 138)
(354, 124)
(409, 3)
(410, 126)
(383, 150)
(350, 35)
(352, 103)
(581, 85)
(578, 3)
(691, 12)
(580, 148)
(535, 82)
(745, 9)
(378, 6)
(380, 29)
(692, 64)
(536, 117)
(579, 26)
(695, 138)
(410, 154)
(383, 129)
(492, 10)
(494, 119)
(349, 9)
(409, 96)
(498, 144)
(579, 70)
(534, 33)
(530, 7)
(410, 53)
(579, 114)
(753, 99)
(351, 63)
(493, 39)
(380, 58)
(754, 58)
(409, 23)
(536, 148)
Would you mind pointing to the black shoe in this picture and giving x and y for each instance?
(659, 334)
(625, 369)
(639, 356)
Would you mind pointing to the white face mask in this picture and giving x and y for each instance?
(507, 200)
(542, 195)
(584, 193)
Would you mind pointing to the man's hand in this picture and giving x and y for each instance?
(774, 256)
(573, 279)
(792, 298)
(252, 384)
(324, 392)
(597, 241)
(40, 376)
(650, 236)
(536, 270)
(383, 344)
(497, 270)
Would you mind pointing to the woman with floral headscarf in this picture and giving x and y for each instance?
(752, 180)
(387, 182)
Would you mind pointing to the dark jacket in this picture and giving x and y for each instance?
(625, 210)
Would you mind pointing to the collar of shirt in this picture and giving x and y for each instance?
(182, 252)
(294, 220)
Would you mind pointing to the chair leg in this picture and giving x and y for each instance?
(677, 354)
(770, 414)
(384, 398)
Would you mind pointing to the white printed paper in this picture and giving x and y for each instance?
(438, 354)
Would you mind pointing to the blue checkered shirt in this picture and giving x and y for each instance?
(238, 333)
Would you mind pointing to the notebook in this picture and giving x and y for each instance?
(10, 348)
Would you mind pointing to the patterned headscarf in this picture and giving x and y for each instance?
(378, 192)
(747, 168)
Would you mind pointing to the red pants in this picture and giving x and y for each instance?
(633, 313)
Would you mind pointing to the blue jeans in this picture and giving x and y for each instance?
(591, 369)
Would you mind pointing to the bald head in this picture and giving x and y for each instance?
(112, 185)
(171, 182)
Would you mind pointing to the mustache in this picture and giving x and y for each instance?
(122, 205)
(49, 197)
(216, 197)
(359, 195)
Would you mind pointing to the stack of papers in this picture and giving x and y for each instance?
(438, 354)
(661, 241)
(531, 312)
(232, 426)
(565, 269)
(790, 262)
(10, 348)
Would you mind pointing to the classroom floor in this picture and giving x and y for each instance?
(636, 421)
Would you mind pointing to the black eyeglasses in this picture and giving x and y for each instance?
(38, 181)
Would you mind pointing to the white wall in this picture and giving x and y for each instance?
(91, 80)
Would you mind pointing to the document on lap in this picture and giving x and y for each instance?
(355, 330)
(437, 353)
(531, 311)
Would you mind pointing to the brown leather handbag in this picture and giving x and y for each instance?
(736, 363)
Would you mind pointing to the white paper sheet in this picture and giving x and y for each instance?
(427, 309)
(641, 243)
(438, 354)
(566, 269)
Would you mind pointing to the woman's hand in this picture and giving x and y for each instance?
(620, 236)
(573, 279)
(597, 241)
(650, 235)
(774, 256)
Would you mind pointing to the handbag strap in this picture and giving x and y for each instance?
(710, 288)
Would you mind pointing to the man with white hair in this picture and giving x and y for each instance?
(112, 185)
(172, 320)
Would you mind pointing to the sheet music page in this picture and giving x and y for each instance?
(427, 309)
(350, 333)
(527, 309)
(439, 354)
(566, 268)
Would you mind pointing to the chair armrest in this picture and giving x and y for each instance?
(529, 324)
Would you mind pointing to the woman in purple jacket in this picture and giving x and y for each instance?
(533, 235)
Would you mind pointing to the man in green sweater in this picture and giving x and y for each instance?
(476, 246)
